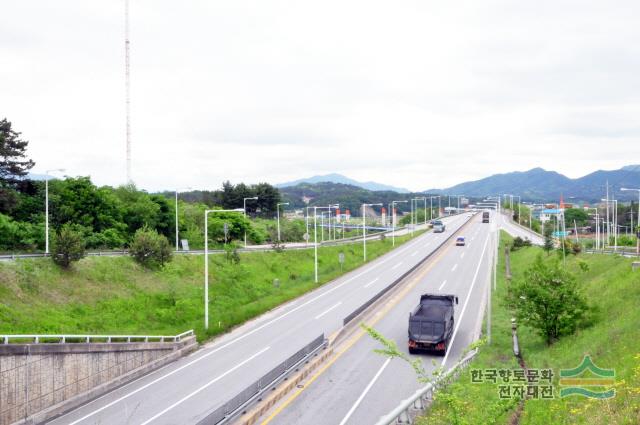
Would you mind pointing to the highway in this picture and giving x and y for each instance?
(186, 391)
(507, 224)
(361, 385)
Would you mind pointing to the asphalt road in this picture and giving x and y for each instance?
(506, 223)
(187, 390)
(361, 385)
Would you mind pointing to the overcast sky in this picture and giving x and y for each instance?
(417, 94)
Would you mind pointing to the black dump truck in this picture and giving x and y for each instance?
(431, 324)
(485, 216)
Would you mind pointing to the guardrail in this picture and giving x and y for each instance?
(86, 339)
(421, 399)
(376, 297)
(230, 409)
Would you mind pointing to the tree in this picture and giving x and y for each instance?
(68, 246)
(580, 216)
(548, 241)
(548, 300)
(150, 248)
(13, 160)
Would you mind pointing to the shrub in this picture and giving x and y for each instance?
(518, 243)
(548, 300)
(68, 246)
(149, 248)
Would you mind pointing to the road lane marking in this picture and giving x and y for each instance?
(326, 311)
(466, 302)
(453, 269)
(462, 255)
(415, 253)
(205, 386)
(371, 283)
(396, 266)
(364, 393)
(379, 315)
(441, 286)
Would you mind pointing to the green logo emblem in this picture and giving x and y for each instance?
(594, 385)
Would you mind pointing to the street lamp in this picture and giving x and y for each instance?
(244, 210)
(177, 190)
(431, 206)
(46, 206)
(613, 222)
(364, 229)
(638, 221)
(278, 214)
(206, 260)
(393, 215)
(315, 238)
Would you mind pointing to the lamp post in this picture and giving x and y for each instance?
(278, 213)
(315, 240)
(393, 224)
(206, 260)
(364, 229)
(244, 211)
(177, 231)
(638, 221)
(46, 207)
(431, 206)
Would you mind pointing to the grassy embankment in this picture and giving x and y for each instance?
(613, 341)
(115, 295)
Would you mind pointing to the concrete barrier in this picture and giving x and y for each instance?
(41, 381)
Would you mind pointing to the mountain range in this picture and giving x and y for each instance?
(536, 185)
(339, 178)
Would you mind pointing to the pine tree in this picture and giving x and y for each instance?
(13, 160)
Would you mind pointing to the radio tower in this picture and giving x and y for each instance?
(127, 88)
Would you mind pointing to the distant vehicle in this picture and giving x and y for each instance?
(431, 324)
(438, 226)
(485, 216)
(460, 241)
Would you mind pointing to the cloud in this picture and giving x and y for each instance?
(417, 94)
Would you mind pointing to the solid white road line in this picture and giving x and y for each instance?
(205, 386)
(462, 255)
(396, 266)
(454, 267)
(466, 302)
(441, 286)
(326, 311)
(241, 337)
(364, 393)
(371, 283)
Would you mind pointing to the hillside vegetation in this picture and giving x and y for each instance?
(115, 295)
(612, 290)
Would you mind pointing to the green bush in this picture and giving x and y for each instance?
(149, 248)
(548, 299)
(68, 246)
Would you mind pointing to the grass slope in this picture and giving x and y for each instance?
(613, 341)
(115, 295)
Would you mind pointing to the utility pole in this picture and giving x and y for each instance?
(127, 89)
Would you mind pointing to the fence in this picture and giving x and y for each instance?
(420, 400)
(76, 339)
(376, 297)
(233, 406)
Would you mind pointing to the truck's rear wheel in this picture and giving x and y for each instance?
(412, 350)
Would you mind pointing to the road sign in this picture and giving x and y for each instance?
(226, 231)
(341, 257)
(305, 236)
(185, 244)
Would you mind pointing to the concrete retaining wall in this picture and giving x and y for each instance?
(41, 381)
